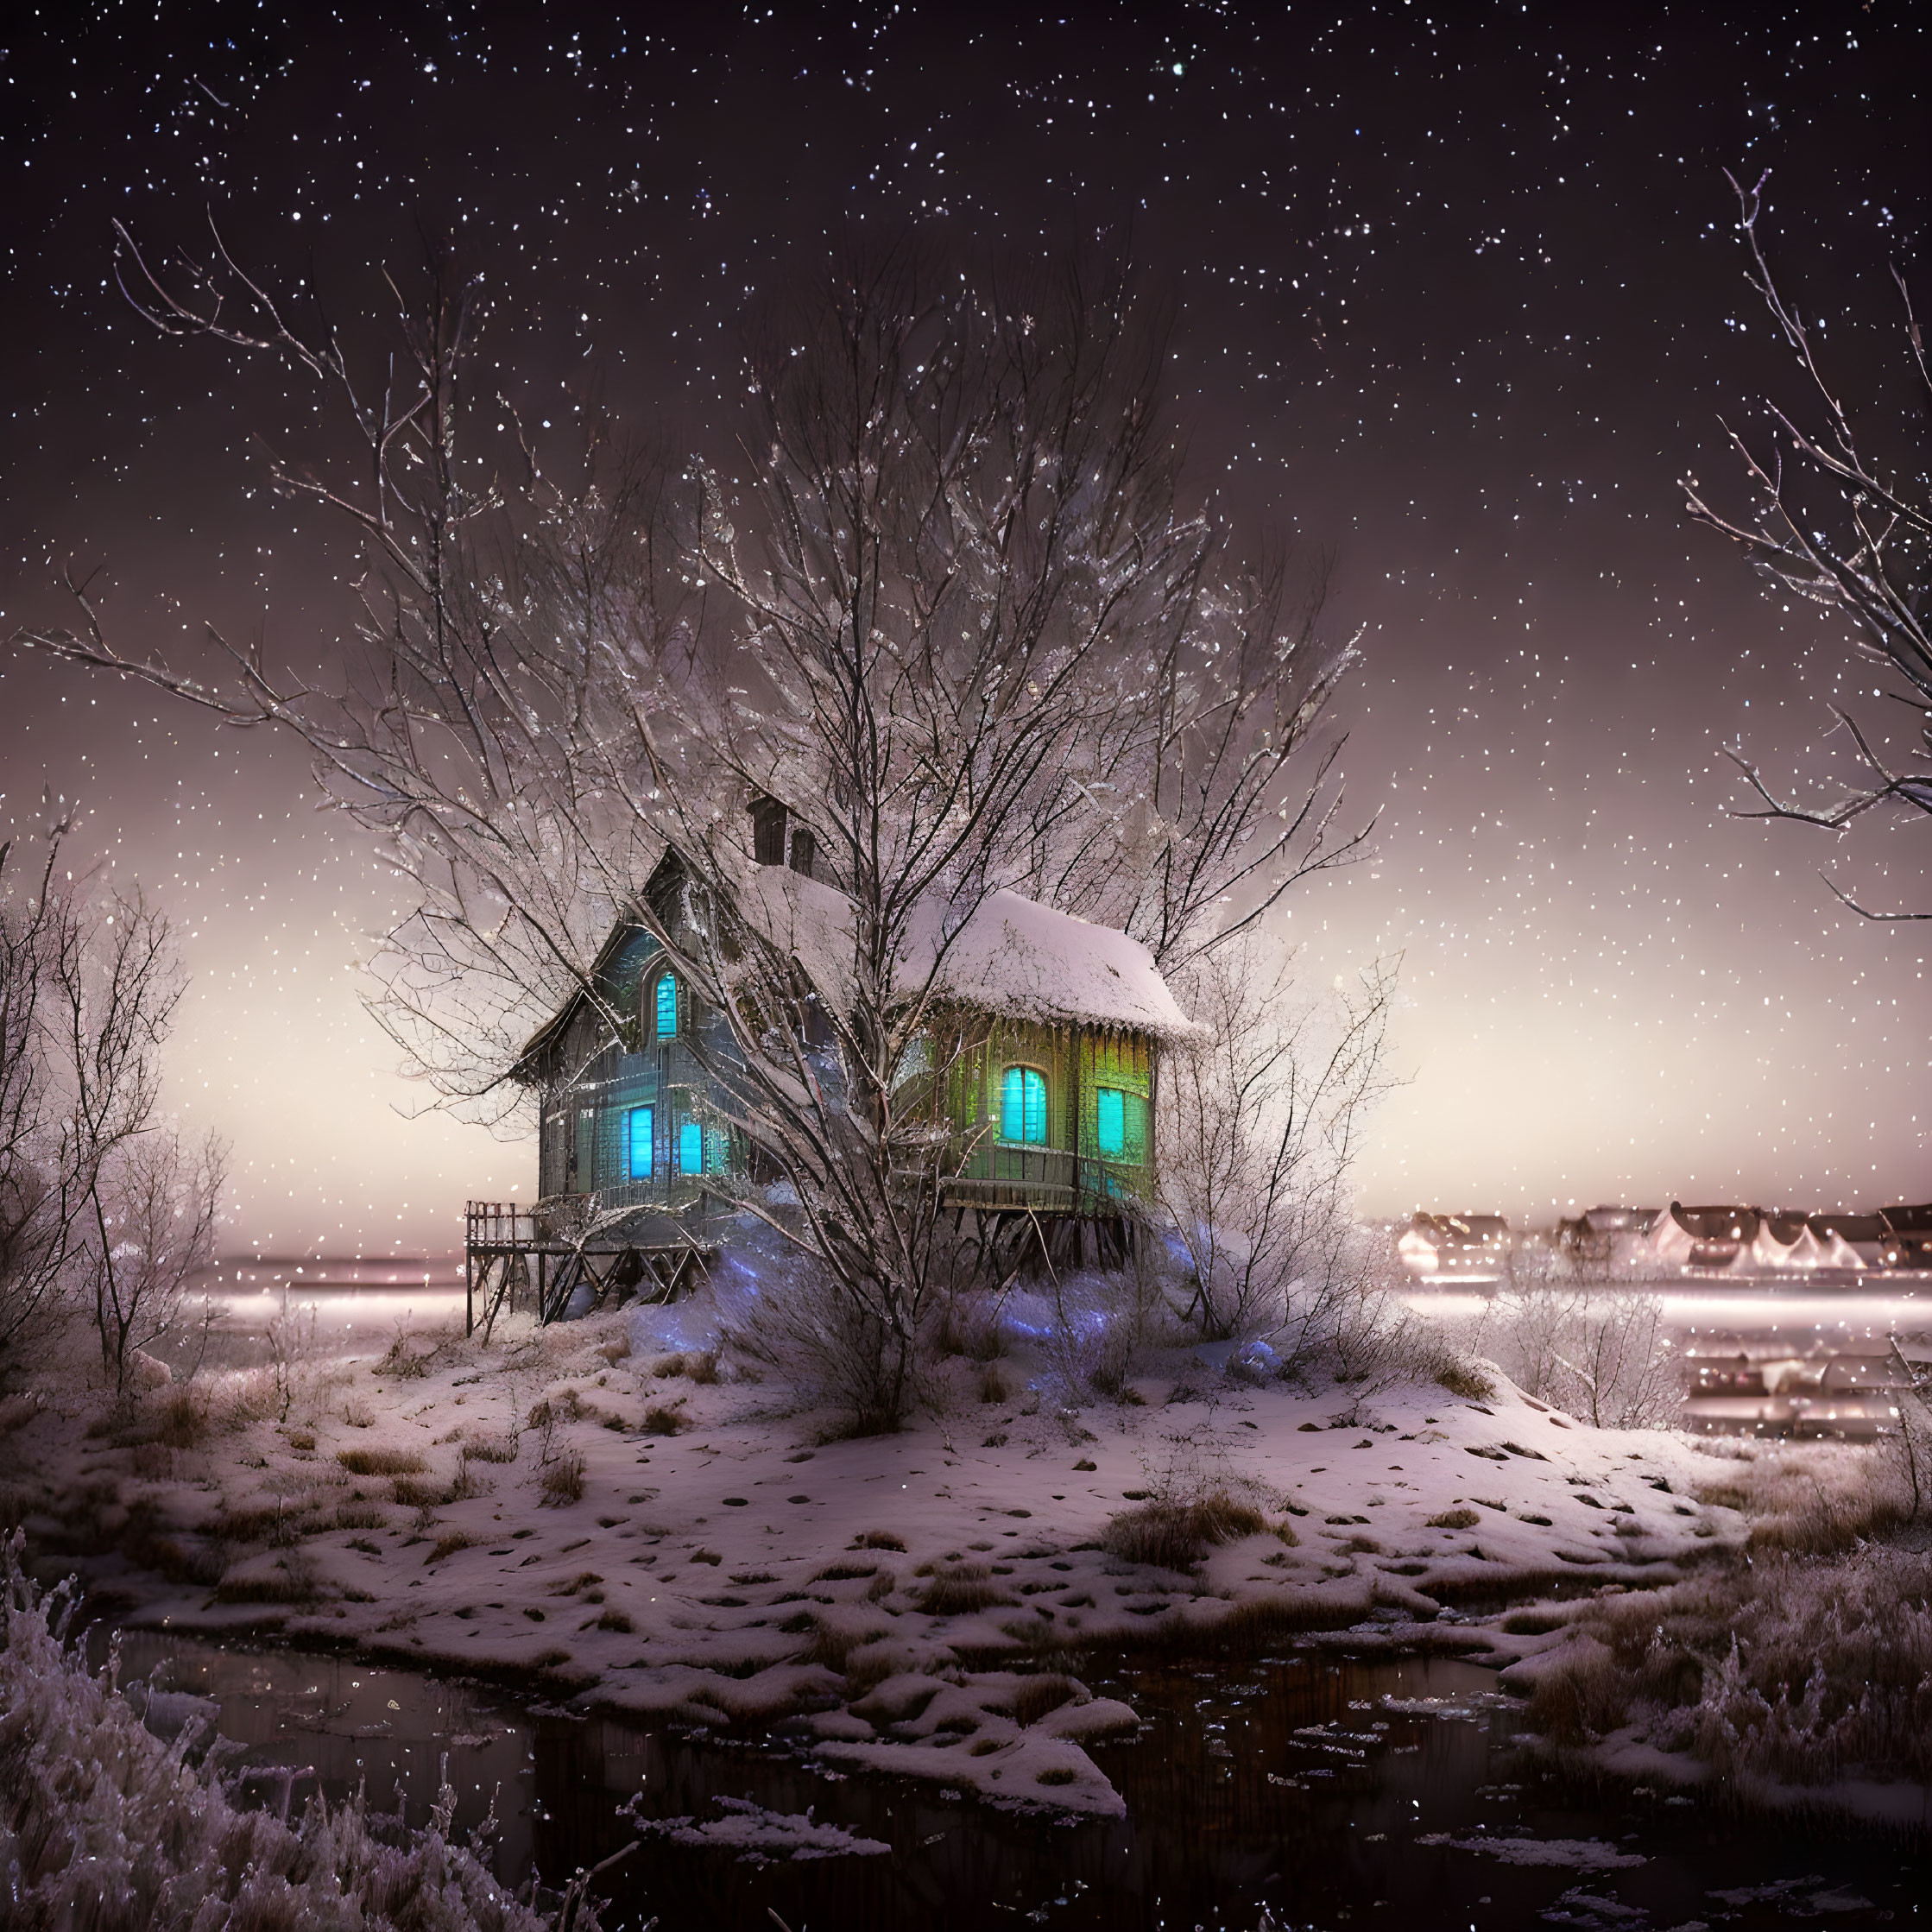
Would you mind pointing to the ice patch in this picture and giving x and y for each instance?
(1818, 1896)
(757, 1836)
(1595, 1913)
(1577, 1854)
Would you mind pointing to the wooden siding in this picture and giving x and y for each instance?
(591, 1083)
(1067, 1173)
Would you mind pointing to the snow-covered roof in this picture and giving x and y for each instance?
(1009, 955)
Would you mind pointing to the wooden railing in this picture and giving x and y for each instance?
(1045, 1179)
(501, 1224)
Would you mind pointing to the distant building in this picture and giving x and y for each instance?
(1705, 1237)
(1909, 1236)
(1867, 1240)
(1467, 1245)
(1603, 1235)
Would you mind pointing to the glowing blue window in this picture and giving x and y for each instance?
(691, 1148)
(1023, 1105)
(637, 1143)
(668, 1007)
(1110, 1122)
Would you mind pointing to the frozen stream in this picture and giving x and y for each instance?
(1336, 1793)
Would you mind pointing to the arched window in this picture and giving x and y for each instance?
(668, 1007)
(1023, 1105)
(1110, 1122)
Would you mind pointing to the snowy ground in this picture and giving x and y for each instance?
(921, 1602)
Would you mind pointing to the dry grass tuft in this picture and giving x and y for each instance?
(1173, 1535)
(666, 1418)
(880, 1539)
(373, 1461)
(181, 1420)
(1036, 1696)
(697, 1365)
(1455, 1519)
(617, 1620)
(562, 1481)
(489, 1449)
(1819, 1500)
(565, 1405)
(962, 1590)
(448, 1545)
(1812, 1664)
(1464, 1378)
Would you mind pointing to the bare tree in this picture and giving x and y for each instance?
(945, 604)
(157, 1207)
(41, 1195)
(101, 1213)
(1260, 1128)
(1832, 524)
(148, 1225)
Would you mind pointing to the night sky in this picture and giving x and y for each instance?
(1459, 300)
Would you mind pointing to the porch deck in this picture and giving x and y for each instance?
(509, 1250)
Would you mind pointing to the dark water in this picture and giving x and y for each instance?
(1302, 1784)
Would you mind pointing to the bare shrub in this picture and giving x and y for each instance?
(1603, 1356)
(374, 1461)
(1170, 1534)
(1260, 1126)
(562, 1481)
(402, 1363)
(969, 1326)
(829, 1345)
